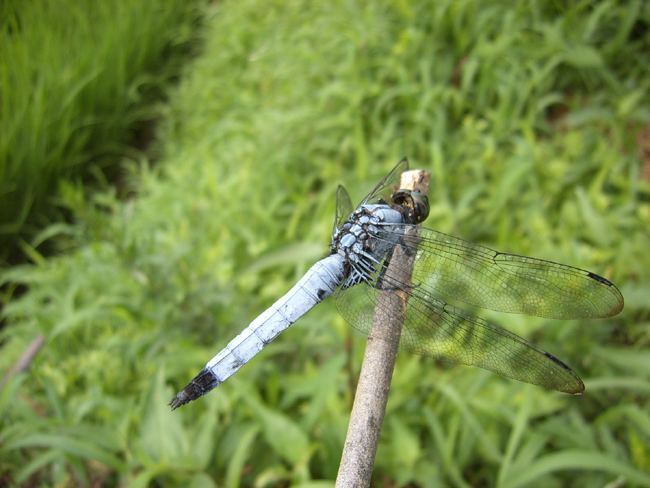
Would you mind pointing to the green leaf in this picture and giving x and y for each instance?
(204, 438)
(39, 462)
(161, 434)
(571, 460)
(240, 456)
(143, 478)
(404, 449)
(583, 56)
(284, 435)
(70, 446)
(202, 480)
(636, 362)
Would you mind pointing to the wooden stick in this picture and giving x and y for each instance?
(25, 360)
(370, 400)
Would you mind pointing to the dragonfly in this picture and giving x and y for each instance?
(357, 274)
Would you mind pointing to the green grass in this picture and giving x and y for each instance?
(77, 78)
(527, 118)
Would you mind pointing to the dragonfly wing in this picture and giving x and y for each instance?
(386, 187)
(437, 329)
(504, 282)
(343, 208)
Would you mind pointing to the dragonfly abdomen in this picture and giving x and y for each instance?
(318, 283)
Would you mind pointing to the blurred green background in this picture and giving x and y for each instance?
(533, 118)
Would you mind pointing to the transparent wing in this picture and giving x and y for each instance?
(381, 194)
(437, 329)
(504, 282)
(386, 187)
(343, 208)
(477, 275)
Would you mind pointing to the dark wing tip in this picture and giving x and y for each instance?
(618, 301)
(573, 384)
(600, 278)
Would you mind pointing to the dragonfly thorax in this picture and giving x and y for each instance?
(361, 240)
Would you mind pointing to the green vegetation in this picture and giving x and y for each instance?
(527, 116)
(77, 82)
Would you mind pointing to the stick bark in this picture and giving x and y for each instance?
(25, 360)
(357, 461)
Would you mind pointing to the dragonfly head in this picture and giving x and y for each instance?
(413, 204)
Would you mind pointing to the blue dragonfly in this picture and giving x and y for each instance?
(356, 272)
